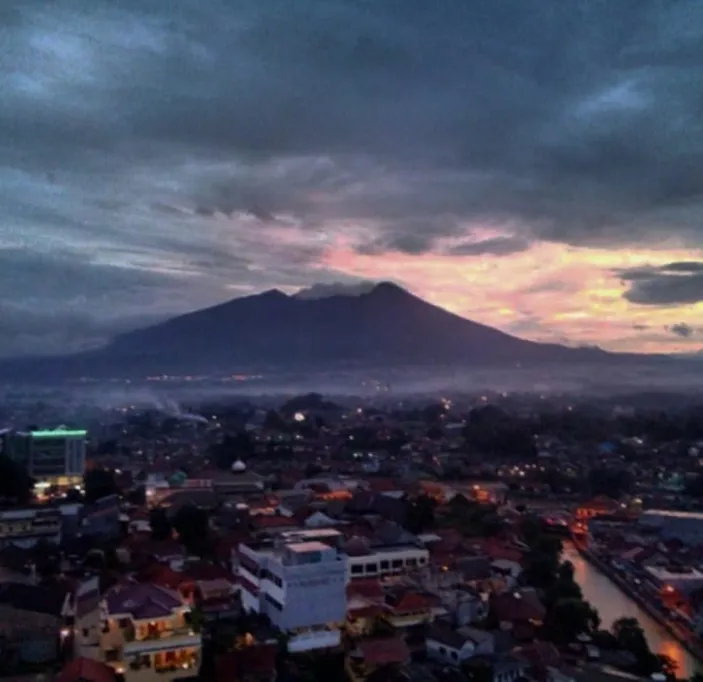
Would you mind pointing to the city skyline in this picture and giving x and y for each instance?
(537, 168)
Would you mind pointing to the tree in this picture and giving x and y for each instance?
(564, 587)
(193, 528)
(99, 483)
(15, 483)
(630, 636)
(160, 525)
(273, 421)
(668, 665)
(569, 618)
(540, 570)
(420, 514)
(609, 482)
(312, 469)
(380, 627)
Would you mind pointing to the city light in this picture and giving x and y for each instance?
(58, 433)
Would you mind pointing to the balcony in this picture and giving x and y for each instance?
(163, 640)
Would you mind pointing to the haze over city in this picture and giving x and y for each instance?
(535, 167)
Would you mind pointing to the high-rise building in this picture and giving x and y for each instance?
(300, 586)
(52, 457)
(6, 442)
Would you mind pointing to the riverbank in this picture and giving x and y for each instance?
(680, 634)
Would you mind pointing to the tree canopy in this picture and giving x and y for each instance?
(15, 483)
(99, 483)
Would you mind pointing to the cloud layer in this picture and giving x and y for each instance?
(159, 157)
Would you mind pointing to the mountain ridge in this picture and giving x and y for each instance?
(385, 326)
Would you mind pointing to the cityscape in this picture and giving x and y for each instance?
(456, 539)
(351, 341)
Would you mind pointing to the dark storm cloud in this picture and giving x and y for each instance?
(682, 330)
(182, 133)
(577, 118)
(671, 284)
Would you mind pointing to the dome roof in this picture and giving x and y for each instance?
(239, 466)
(357, 546)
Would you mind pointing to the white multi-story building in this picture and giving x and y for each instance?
(300, 586)
(386, 561)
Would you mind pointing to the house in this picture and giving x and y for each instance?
(406, 607)
(519, 611)
(146, 633)
(101, 519)
(216, 598)
(546, 664)
(463, 604)
(374, 655)
(448, 645)
(501, 667)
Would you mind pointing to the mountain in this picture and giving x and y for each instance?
(385, 326)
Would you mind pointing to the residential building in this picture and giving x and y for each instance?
(679, 525)
(32, 625)
(375, 655)
(27, 527)
(300, 586)
(449, 645)
(101, 518)
(368, 561)
(146, 635)
(519, 611)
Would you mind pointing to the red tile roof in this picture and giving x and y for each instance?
(363, 587)
(520, 605)
(384, 651)
(411, 602)
(86, 670)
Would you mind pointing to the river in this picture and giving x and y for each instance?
(611, 603)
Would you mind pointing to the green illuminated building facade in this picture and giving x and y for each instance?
(52, 457)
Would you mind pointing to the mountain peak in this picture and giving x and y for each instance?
(317, 291)
(273, 294)
(387, 287)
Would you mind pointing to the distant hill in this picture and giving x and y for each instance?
(384, 326)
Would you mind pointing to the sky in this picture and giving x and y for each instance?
(534, 166)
